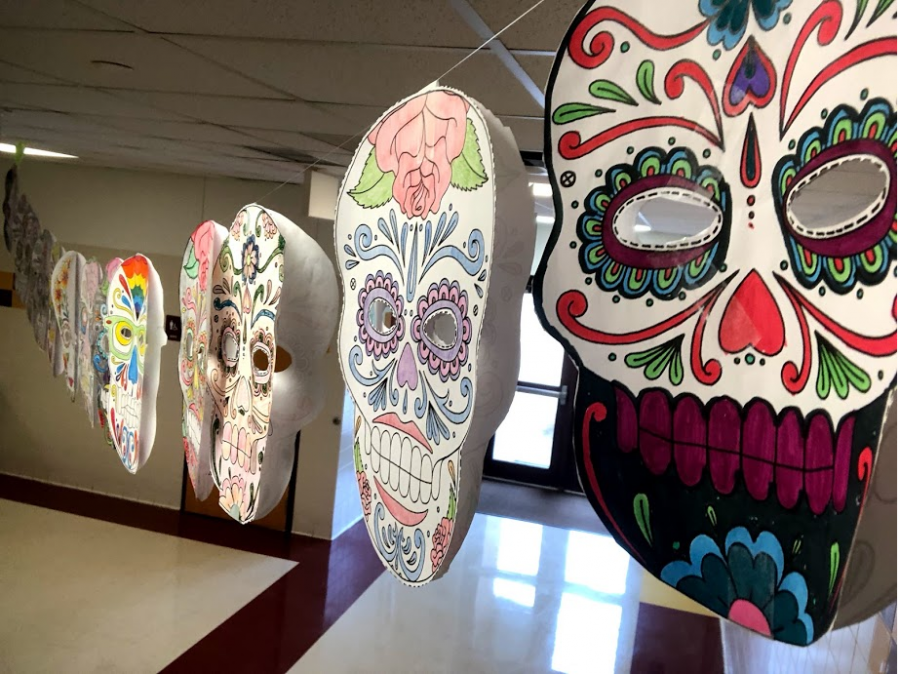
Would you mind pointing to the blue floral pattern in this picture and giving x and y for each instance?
(729, 18)
(746, 584)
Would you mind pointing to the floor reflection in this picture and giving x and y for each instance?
(519, 597)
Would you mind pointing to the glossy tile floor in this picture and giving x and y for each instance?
(520, 597)
(79, 594)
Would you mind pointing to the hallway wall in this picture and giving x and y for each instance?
(108, 212)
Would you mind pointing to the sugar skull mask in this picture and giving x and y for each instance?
(135, 336)
(274, 305)
(89, 327)
(195, 293)
(730, 397)
(65, 304)
(100, 346)
(414, 234)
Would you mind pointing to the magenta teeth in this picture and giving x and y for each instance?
(728, 440)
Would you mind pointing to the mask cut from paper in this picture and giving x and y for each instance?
(89, 328)
(195, 293)
(39, 309)
(135, 336)
(66, 309)
(428, 340)
(100, 347)
(274, 307)
(725, 188)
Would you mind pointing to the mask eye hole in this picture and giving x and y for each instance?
(262, 363)
(838, 197)
(382, 318)
(669, 219)
(189, 345)
(229, 347)
(123, 334)
(440, 329)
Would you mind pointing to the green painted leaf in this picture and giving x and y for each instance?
(797, 545)
(451, 506)
(610, 91)
(880, 8)
(834, 561)
(658, 359)
(642, 515)
(571, 112)
(467, 170)
(711, 514)
(838, 372)
(192, 266)
(858, 15)
(375, 187)
(357, 459)
(644, 79)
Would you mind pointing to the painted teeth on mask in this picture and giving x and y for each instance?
(404, 466)
(405, 462)
(375, 450)
(764, 449)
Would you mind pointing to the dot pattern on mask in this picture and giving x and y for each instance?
(612, 356)
(567, 179)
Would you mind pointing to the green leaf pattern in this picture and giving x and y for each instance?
(192, 266)
(641, 506)
(467, 170)
(644, 80)
(375, 187)
(572, 112)
(610, 91)
(838, 372)
(658, 359)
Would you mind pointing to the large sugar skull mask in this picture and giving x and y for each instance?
(195, 295)
(65, 304)
(274, 306)
(135, 335)
(414, 233)
(733, 319)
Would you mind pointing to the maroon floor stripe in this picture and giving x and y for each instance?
(279, 625)
(668, 641)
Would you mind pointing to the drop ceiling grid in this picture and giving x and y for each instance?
(234, 82)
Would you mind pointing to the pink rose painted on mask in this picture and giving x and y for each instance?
(440, 541)
(417, 142)
(365, 492)
(202, 238)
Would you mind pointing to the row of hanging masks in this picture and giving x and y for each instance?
(101, 326)
(724, 179)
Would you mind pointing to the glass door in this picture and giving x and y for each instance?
(534, 443)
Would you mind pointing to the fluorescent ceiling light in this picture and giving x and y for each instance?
(541, 190)
(8, 148)
(544, 219)
(640, 229)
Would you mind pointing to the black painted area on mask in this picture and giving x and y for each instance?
(657, 518)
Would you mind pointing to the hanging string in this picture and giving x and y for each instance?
(362, 131)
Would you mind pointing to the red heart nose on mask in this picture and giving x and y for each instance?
(752, 318)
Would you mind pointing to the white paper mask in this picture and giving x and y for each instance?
(89, 327)
(414, 235)
(734, 322)
(65, 304)
(273, 313)
(135, 336)
(100, 347)
(195, 293)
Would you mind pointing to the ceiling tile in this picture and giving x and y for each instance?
(538, 67)
(398, 22)
(487, 80)
(287, 139)
(252, 112)
(177, 130)
(11, 73)
(77, 99)
(337, 73)
(543, 28)
(157, 65)
(54, 14)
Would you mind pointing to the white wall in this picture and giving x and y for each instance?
(107, 212)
